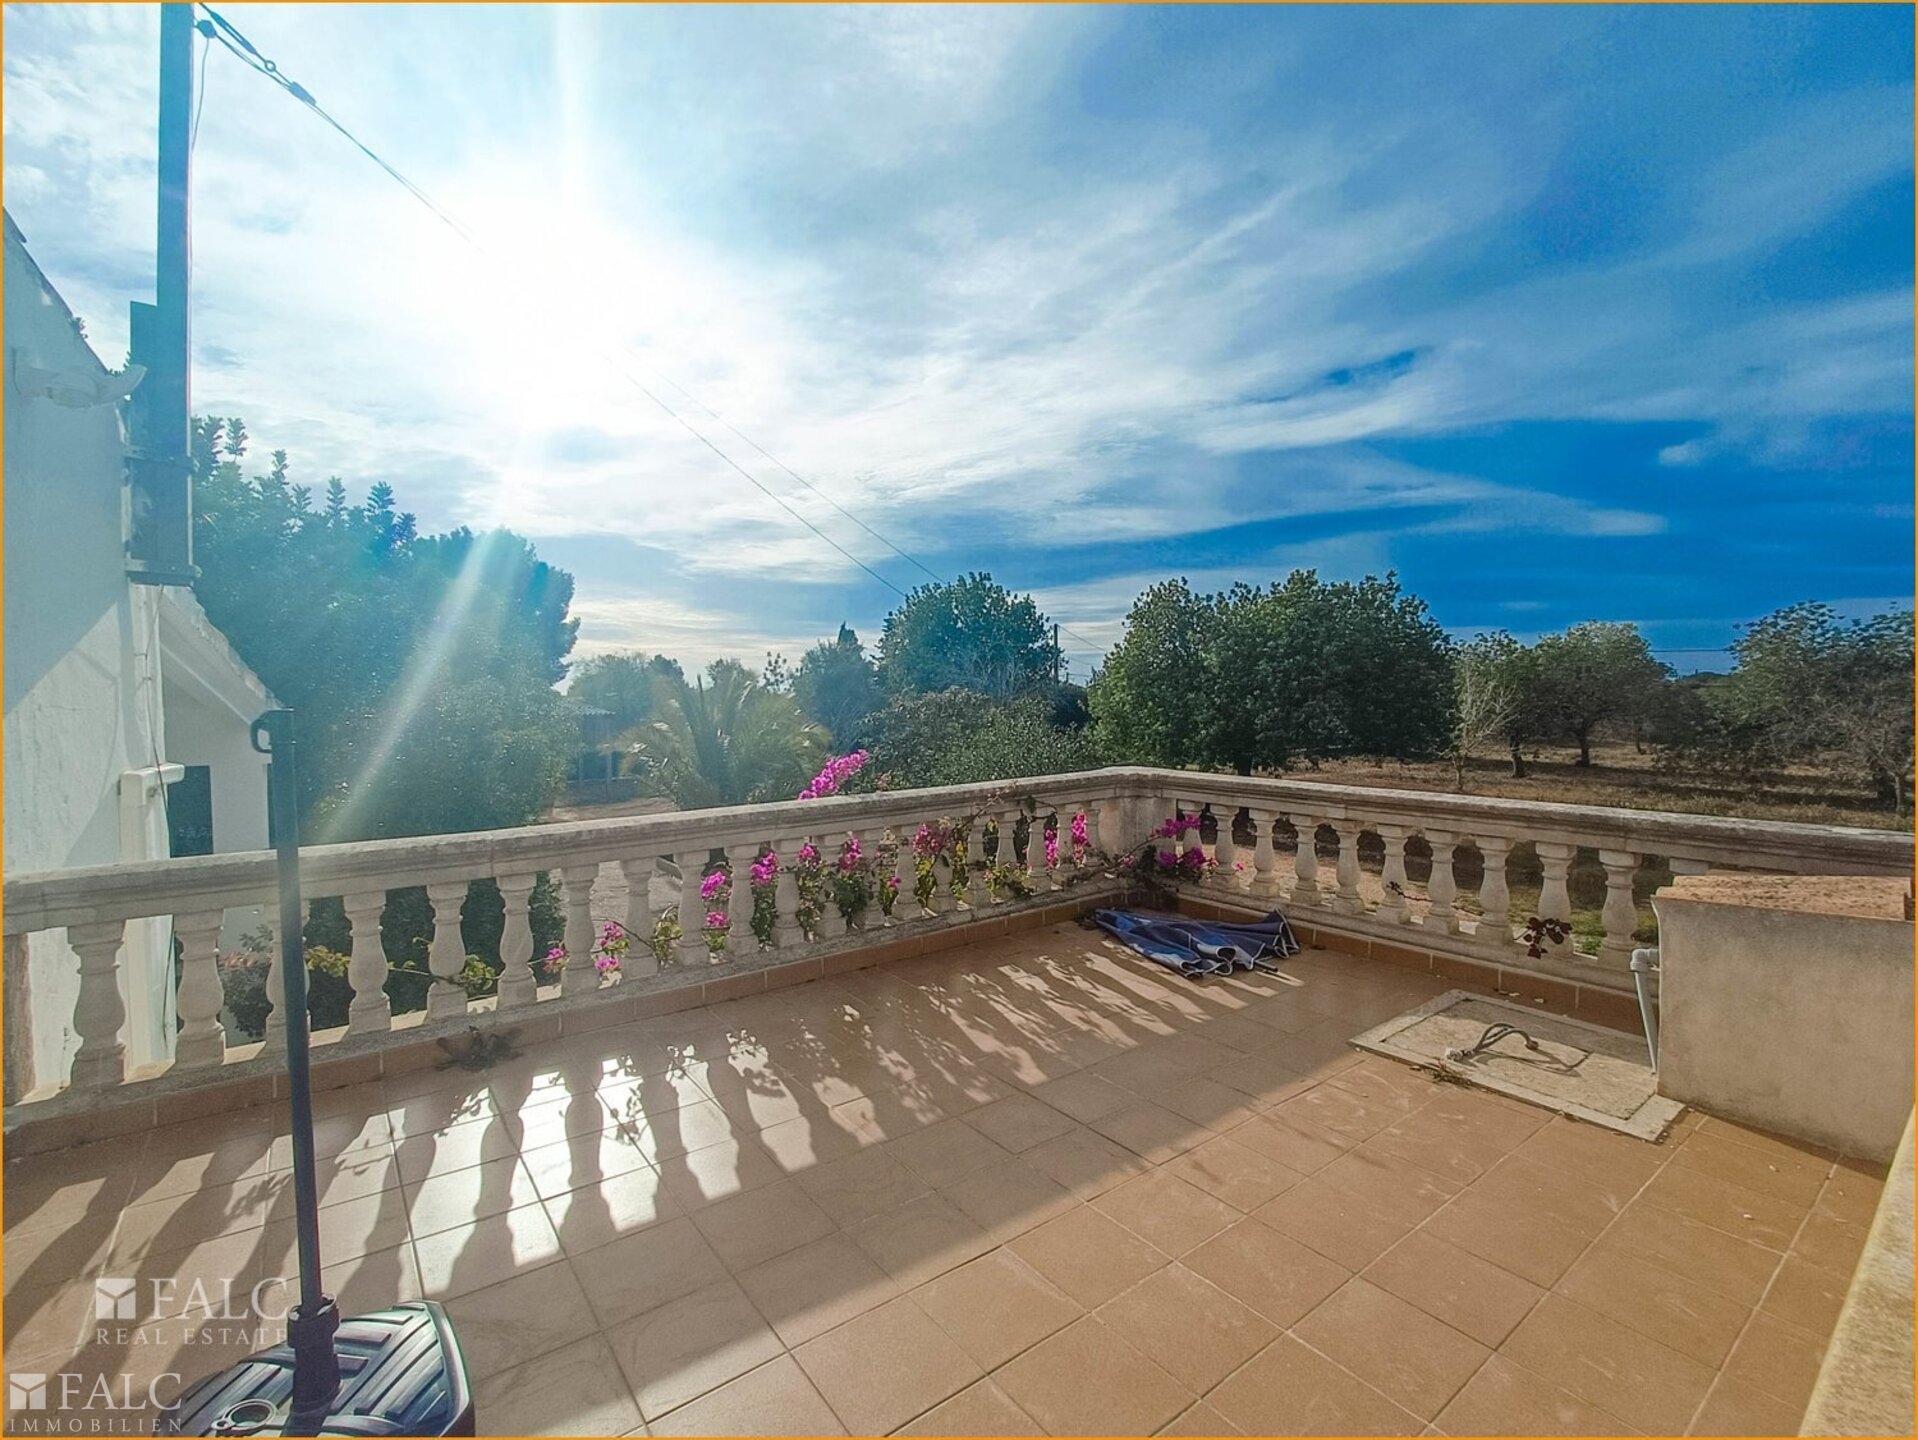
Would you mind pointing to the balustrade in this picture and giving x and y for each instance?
(85, 916)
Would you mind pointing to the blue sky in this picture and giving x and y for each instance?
(1563, 313)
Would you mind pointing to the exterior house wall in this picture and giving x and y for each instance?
(87, 709)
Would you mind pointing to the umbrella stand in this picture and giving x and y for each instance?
(403, 1372)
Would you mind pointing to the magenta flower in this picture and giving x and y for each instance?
(712, 884)
(717, 920)
(836, 773)
(765, 870)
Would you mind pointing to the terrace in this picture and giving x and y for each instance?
(973, 1169)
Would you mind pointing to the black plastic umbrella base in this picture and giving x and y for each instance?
(401, 1373)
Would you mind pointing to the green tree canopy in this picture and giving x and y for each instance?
(1498, 698)
(960, 737)
(1255, 678)
(838, 686)
(620, 682)
(724, 739)
(1593, 673)
(1809, 685)
(970, 633)
(421, 668)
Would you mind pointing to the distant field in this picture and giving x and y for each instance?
(1620, 776)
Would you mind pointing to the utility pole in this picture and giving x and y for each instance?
(1058, 657)
(160, 544)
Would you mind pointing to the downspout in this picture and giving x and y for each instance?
(1644, 966)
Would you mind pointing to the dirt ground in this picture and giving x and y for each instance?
(1620, 775)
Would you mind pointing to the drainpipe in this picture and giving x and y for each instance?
(1644, 966)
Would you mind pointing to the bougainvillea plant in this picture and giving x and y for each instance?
(717, 891)
(764, 881)
(831, 779)
(1541, 932)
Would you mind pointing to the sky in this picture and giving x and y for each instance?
(1562, 313)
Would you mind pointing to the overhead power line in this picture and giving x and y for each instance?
(217, 27)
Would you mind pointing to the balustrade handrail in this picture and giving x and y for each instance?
(1720, 840)
(49, 899)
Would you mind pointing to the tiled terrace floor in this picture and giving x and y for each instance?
(1032, 1185)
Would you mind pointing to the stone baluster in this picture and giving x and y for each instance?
(576, 883)
(371, 1012)
(98, 1010)
(1494, 894)
(1095, 830)
(446, 957)
(905, 869)
(640, 922)
(1305, 862)
(1621, 910)
(1265, 861)
(1392, 909)
(202, 1041)
(832, 921)
(1190, 841)
(1442, 918)
(1225, 850)
(787, 931)
(518, 986)
(1554, 896)
(740, 940)
(1008, 855)
(691, 946)
(1349, 901)
(978, 866)
(273, 1035)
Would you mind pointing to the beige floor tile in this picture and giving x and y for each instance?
(1827, 1241)
(1193, 1330)
(1734, 1410)
(808, 1290)
(598, 1214)
(1008, 1199)
(982, 1408)
(1269, 1079)
(800, 1145)
(704, 1176)
(859, 1187)
(1469, 1294)
(1236, 1174)
(1505, 1398)
(1208, 1102)
(1358, 1114)
(583, 1160)
(1289, 1389)
(354, 1227)
(1734, 1268)
(762, 1223)
(521, 1319)
(1781, 1359)
(775, 1399)
(1084, 1096)
(1768, 1141)
(1618, 1166)
(1273, 1274)
(996, 1306)
(678, 1351)
(690, 1127)
(1806, 1295)
(1085, 1380)
(1735, 1209)
(1647, 1385)
(1396, 1187)
(1201, 1420)
(159, 1226)
(946, 1152)
(1166, 1212)
(1086, 1163)
(921, 1239)
(647, 1269)
(576, 1390)
(1292, 1140)
(1151, 1131)
(1019, 1122)
(1528, 1219)
(456, 1262)
(461, 1197)
(1344, 1227)
(1090, 1257)
(1421, 1367)
(886, 1367)
(1853, 1191)
(1797, 1178)
(1656, 1301)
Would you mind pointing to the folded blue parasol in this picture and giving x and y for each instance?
(1200, 947)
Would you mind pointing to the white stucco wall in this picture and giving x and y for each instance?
(85, 700)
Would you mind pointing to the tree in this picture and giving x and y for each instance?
(1499, 666)
(1810, 686)
(1146, 699)
(1484, 706)
(620, 682)
(838, 686)
(724, 739)
(959, 737)
(1596, 672)
(421, 667)
(971, 633)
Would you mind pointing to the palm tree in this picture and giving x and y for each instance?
(725, 739)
